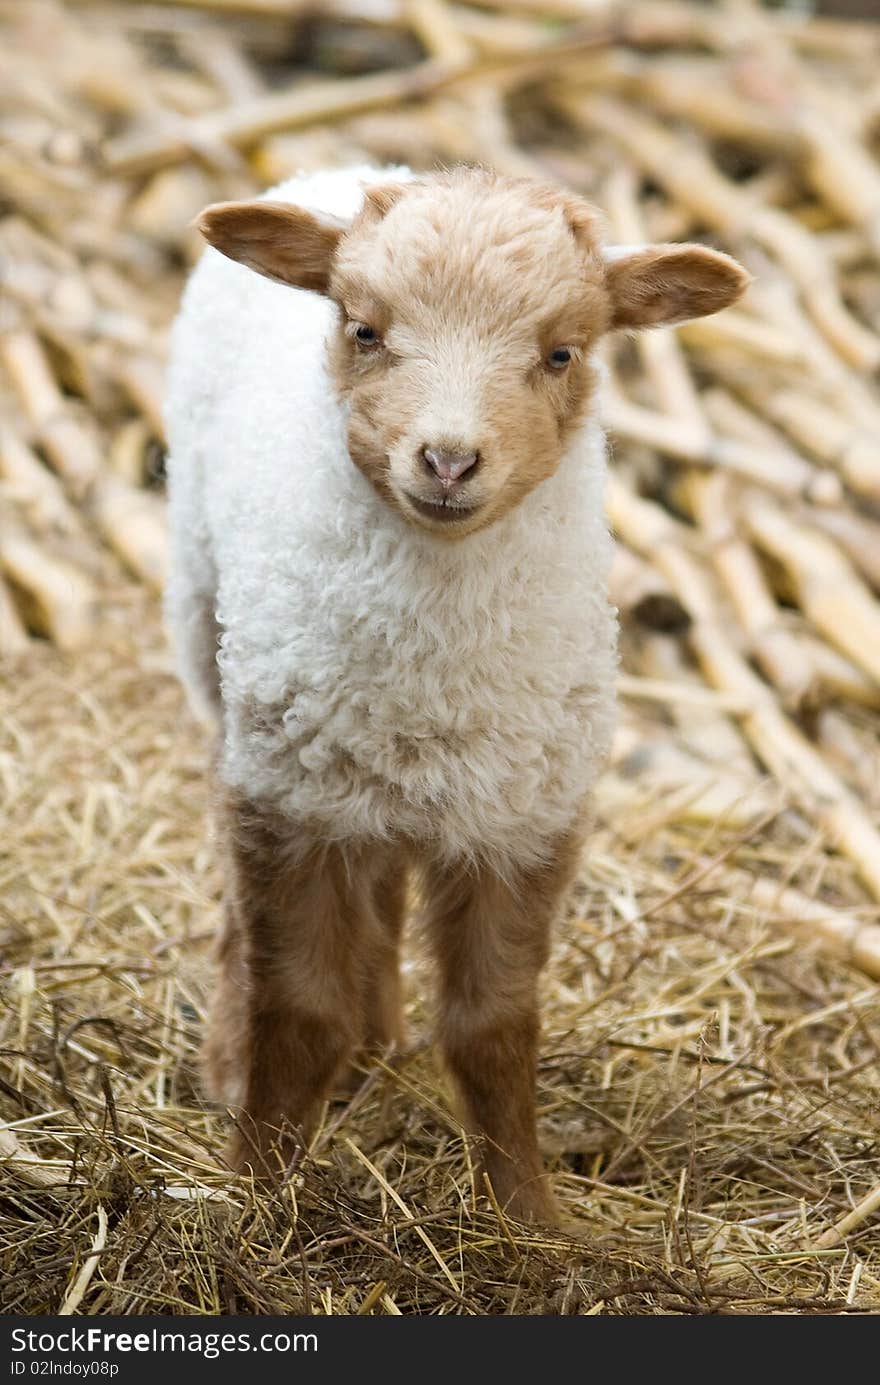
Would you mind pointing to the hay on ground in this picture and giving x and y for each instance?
(709, 1068)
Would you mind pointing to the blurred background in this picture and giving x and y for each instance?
(710, 1084)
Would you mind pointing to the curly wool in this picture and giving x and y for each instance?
(376, 682)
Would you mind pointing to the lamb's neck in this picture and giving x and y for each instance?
(529, 538)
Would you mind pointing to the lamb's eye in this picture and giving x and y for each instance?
(559, 358)
(364, 335)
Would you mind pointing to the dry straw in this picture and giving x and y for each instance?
(709, 1072)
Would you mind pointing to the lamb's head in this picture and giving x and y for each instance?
(469, 310)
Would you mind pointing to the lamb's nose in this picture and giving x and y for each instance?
(448, 466)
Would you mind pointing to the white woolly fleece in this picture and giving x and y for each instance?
(377, 682)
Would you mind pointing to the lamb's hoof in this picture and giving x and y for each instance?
(262, 1152)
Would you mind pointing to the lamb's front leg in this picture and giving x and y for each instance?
(491, 939)
(301, 931)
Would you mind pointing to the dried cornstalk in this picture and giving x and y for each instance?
(59, 598)
(639, 591)
(857, 535)
(853, 747)
(29, 1168)
(245, 124)
(804, 670)
(729, 415)
(653, 780)
(130, 520)
(710, 731)
(775, 296)
(13, 635)
(864, 1208)
(703, 94)
(735, 330)
(824, 431)
(854, 939)
(785, 473)
(33, 487)
(796, 764)
(774, 646)
(688, 173)
(664, 362)
(133, 523)
(831, 593)
(128, 451)
(67, 441)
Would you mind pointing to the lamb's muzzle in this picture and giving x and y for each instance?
(390, 592)
(448, 466)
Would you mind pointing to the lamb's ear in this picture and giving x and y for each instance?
(653, 285)
(379, 198)
(280, 241)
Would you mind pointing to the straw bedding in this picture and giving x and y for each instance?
(708, 1084)
(711, 1056)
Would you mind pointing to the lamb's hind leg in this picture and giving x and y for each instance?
(383, 1007)
(301, 931)
(384, 910)
(491, 935)
(227, 1036)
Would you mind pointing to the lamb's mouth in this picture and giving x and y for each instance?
(441, 511)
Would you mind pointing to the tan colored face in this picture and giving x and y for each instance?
(469, 310)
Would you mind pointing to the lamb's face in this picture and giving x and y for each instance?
(469, 314)
(469, 310)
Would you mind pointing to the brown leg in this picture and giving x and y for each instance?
(227, 1036)
(491, 938)
(301, 932)
(383, 1010)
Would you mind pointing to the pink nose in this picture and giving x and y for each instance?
(448, 466)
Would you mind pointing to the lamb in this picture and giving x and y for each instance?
(389, 593)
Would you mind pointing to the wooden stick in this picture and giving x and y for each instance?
(33, 486)
(863, 1209)
(639, 592)
(804, 670)
(664, 362)
(13, 635)
(70, 445)
(699, 92)
(831, 593)
(60, 598)
(735, 330)
(130, 520)
(246, 123)
(855, 940)
(710, 732)
(783, 472)
(796, 764)
(820, 429)
(857, 535)
(688, 173)
(653, 779)
(77, 1290)
(772, 643)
